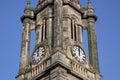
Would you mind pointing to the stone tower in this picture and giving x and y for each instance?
(58, 53)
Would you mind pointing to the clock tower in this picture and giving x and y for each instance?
(59, 52)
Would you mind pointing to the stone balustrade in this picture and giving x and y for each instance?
(40, 68)
(79, 69)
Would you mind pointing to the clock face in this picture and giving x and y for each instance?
(79, 54)
(38, 54)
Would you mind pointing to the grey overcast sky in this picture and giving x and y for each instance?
(107, 29)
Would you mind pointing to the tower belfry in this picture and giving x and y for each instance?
(58, 52)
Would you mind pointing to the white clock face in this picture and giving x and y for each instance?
(38, 54)
(79, 54)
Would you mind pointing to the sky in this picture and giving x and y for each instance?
(107, 30)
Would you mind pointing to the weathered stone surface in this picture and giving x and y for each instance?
(59, 25)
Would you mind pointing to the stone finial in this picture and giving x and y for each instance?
(28, 4)
(90, 5)
(90, 8)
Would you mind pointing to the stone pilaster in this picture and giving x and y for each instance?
(38, 34)
(58, 22)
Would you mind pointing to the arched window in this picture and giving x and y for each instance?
(73, 30)
(44, 30)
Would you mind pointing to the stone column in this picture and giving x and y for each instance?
(49, 31)
(25, 48)
(58, 24)
(92, 44)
